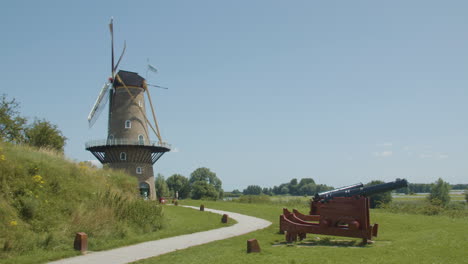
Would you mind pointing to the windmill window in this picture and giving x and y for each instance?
(111, 138)
(141, 140)
(128, 124)
(139, 170)
(123, 156)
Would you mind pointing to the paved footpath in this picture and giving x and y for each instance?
(245, 224)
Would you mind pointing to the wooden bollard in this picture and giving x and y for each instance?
(176, 203)
(253, 246)
(202, 207)
(81, 242)
(224, 219)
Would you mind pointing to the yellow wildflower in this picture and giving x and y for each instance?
(42, 182)
(2, 157)
(13, 223)
(37, 178)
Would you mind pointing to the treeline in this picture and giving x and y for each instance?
(427, 187)
(202, 184)
(306, 186)
(15, 129)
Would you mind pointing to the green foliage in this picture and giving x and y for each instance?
(45, 200)
(11, 124)
(162, 190)
(424, 207)
(379, 199)
(179, 183)
(252, 190)
(204, 183)
(466, 196)
(42, 133)
(306, 186)
(439, 195)
(204, 190)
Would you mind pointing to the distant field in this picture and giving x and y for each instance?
(403, 238)
(421, 196)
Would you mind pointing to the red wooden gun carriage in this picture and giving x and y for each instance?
(340, 212)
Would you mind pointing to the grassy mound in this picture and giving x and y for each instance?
(45, 200)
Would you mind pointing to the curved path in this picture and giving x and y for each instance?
(245, 224)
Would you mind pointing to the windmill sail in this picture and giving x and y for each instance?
(99, 105)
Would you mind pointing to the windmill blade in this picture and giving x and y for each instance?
(120, 58)
(111, 28)
(157, 86)
(158, 134)
(99, 105)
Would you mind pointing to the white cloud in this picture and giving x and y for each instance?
(443, 156)
(383, 154)
(433, 155)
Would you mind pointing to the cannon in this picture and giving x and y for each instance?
(340, 212)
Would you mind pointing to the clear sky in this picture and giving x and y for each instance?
(260, 91)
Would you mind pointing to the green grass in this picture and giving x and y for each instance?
(403, 238)
(45, 200)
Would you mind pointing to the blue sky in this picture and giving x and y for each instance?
(260, 91)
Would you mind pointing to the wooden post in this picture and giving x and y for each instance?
(81, 242)
(224, 219)
(253, 246)
(202, 207)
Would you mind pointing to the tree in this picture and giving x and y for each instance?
(440, 193)
(42, 133)
(293, 187)
(11, 124)
(206, 176)
(307, 189)
(161, 186)
(267, 191)
(378, 199)
(252, 190)
(305, 181)
(179, 183)
(204, 190)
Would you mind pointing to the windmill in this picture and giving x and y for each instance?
(128, 144)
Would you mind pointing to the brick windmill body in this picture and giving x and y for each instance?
(128, 146)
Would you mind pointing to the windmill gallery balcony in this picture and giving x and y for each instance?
(99, 148)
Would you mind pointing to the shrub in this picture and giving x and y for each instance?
(439, 195)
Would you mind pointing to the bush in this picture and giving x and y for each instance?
(439, 195)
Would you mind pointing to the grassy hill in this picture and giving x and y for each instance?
(45, 200)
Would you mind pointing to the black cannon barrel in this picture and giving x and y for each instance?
(366, 191)
(322, 195)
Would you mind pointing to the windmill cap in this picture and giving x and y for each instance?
(130, 79)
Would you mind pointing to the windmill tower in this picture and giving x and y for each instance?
(128, 145)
